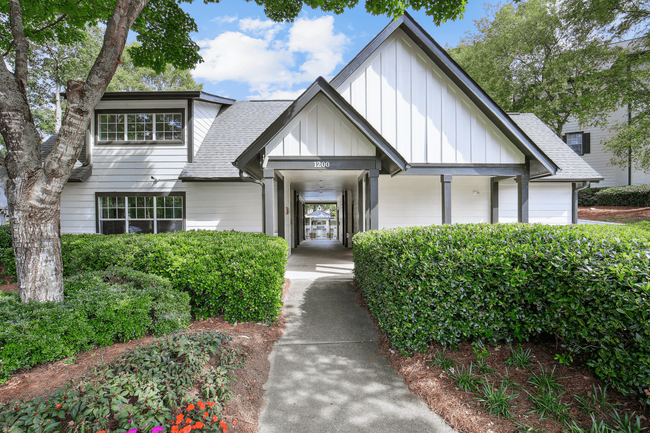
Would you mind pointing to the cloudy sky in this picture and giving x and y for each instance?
(247, 56)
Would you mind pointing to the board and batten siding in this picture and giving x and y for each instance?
(320, 129)
(129, 168)
(548, 202)
(204, 115)
(420, 111)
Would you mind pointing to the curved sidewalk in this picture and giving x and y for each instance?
(327, 374)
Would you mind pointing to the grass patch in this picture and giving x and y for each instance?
(441, 360)
(519, 357)
(496, 399)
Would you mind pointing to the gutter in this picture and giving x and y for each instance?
(576, 189)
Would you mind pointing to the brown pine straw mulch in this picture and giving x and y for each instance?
(465, 414)
(614, 213)
(254, 340)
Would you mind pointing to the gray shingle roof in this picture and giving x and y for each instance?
(571, 166)
(80, 172)
(230, 134)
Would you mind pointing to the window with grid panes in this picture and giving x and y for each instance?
(140, 214)
(144, 127)
(574, 141)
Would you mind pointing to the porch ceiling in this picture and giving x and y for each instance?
(321, 186)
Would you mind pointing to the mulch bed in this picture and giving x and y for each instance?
(255, 340)
(466, 415)
(614, 213)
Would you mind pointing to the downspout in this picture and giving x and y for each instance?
(253, 180)
(576, 190)
(629, 150)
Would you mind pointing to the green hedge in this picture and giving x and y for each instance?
(236, 274)
(587, 285)
(634, 195)
(99, 309)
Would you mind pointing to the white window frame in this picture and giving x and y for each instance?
(126, 196)
(125, 132)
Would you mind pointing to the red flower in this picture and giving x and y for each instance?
(179, 417)
(210, 403)
(198, 425)
(58, 405)
(190, 407)
(214, 418)
(175, 429)
(102, 431)
(186, 429)
(188, 421)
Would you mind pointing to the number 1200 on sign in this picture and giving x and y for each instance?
(321, 164)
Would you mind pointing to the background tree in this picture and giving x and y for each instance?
(33, 186)
(625, 20)
(530, 59)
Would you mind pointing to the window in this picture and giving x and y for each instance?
(140, 127)
(578, 142)
(140, 213)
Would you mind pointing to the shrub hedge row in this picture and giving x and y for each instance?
(236, 274)
(587, 285)
(100, 308)
(634, 195)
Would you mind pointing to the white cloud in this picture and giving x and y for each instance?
(224, 19)
(264, 57)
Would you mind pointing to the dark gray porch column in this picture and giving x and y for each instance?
(522, 195)
(268, 201)
(280, 204)
(373, 182)
(445, 183)
(360, 205)
(494, 200)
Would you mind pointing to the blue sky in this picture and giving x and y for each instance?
(249, 57)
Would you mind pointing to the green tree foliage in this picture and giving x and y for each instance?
(625, 19)
(131, 78)
(530, 59)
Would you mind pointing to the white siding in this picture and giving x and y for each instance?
(214, 206)
(470, 199)
(421, 112)
(406, 201)
(204, 115)
(320, 129)
(548, 202)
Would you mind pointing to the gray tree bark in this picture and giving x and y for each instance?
(33, 186)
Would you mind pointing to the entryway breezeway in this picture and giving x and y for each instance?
(327, 374)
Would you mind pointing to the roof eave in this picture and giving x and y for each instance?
(165, 94)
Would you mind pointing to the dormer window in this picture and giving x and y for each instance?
(140, 127)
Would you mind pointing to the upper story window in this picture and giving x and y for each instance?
(140, 127)
(579, 142)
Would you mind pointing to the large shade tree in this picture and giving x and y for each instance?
(530, 58)
(33, 186)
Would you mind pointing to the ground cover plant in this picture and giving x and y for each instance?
(239, 275)
(178, 381)
(587, 288)
(100, 308)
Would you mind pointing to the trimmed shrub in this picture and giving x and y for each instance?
(634, 195)
(99, 309)
(236, 274)
(587, 285)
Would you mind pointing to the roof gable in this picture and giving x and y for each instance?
(392, 160)
(452, 71)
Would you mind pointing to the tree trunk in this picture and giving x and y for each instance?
(37, 247)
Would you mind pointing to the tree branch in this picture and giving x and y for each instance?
(22, 45)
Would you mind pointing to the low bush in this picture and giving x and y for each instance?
(99, 309)
(142, 389)
(236, 274)
(634, 195)
(587, 285)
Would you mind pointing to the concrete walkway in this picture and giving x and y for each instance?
(327, 374)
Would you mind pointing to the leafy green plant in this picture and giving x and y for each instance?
(480, 351)
(519, 357)
(587, 285)
(465, 378)
(627, 423)
(595, 402)
(99, 309)
(525, 428)
(507, 380)
(545, 379)
(548, 404)
(161, 376)
(497, 401)
(442, 360)
(632, 195)
(483, 367)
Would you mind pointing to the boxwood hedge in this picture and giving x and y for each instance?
(586, 285)
(634, 195)
(236, 274)
(99, 309)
